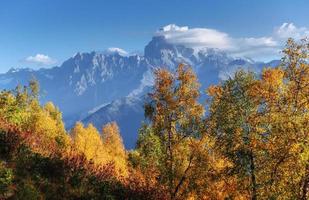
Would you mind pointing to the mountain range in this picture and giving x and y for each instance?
(99, 87)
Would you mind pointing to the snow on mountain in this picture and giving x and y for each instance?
(115, 50)
(172, 27)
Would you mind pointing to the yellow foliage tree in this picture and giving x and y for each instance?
(283, 94)
(101, 149)
(187, 161)
(114, 147)
(89, 142)
(21, 108)
(261, 126)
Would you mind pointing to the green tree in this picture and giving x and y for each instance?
(6, 180)
(230, 113)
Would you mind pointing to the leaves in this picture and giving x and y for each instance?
(261, 126)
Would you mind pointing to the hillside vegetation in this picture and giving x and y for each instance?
(250, 143)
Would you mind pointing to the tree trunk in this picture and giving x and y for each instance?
(305, 185)
(253, 178)
(171, 160)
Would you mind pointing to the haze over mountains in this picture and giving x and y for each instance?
(99, 87)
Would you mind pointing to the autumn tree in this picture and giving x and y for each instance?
(282, 93)
(297, 81)
(175, 117)
(114, 147)
(21, 108)
(46, 125)
(88, 141)
(15, 104)
(261, 126)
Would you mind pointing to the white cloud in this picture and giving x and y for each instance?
(254, 47)
(287, 30)
(195, 37)
(40, 60)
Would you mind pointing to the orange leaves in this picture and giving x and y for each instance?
(174, 97)
(270, 87)
(273, 77)
(163, 81)
(214, 90)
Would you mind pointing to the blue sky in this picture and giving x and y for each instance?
(53, 30)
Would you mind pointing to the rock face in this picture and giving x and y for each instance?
(99, 87)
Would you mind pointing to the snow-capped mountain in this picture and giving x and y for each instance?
(84, 81)
(98, 87)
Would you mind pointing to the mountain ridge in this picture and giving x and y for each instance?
(97, 80)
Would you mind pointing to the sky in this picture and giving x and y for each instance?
(44, 33)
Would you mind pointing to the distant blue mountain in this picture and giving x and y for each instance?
(99, 87)
(128, 112)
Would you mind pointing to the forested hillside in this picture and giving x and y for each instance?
(249, 141)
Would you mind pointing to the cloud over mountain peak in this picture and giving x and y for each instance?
(260, 48)
(194, 37)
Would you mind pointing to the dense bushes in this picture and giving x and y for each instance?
(31, 175)
(39, 160)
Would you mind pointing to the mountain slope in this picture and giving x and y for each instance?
(128, 112)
